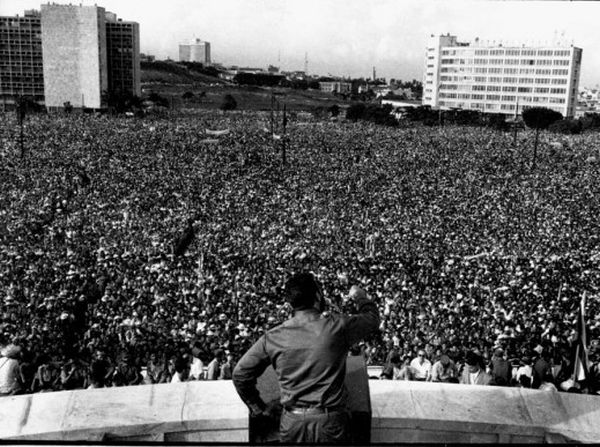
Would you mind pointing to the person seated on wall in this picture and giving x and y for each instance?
(421, 366)
(473, 373)
(444, 370)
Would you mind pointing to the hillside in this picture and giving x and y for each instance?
(172, 80)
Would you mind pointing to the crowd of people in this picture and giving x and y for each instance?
(468, 252)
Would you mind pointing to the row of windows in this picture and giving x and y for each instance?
(497, 70)
(508, 52)
(503, 98)
(506, 88)
(479, 61)
(495, 80)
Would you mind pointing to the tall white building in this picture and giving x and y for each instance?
(197, 51)
(74, 55)
(87, 52)
(498, 79)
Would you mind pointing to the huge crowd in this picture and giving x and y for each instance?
(465, 248)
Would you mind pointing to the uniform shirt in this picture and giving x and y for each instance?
(308, 353)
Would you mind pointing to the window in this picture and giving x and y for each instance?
(495, 79)
(480, 52)
(509, 98)
(541, 90)
(527, 61)
(492, 97)
(562, 52)
(558, 91)
(511, 70)
(528, 52)
(559, 81)
(511, 61)
(543, 71)
(513, 52)
(561, 62)
(496, 52)
(557, 100)
(481, 61)
(493, 88)
(560, 72)
(526, 71)
(495, 70)
(479, 88)
(544, 52)
(477, 96)
(509, 80)
(480, 70)
(526, 81)
(524, 89)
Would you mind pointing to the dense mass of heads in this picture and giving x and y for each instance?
(459, 243)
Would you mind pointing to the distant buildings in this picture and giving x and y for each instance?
(197, 51)
(335, 87)
(68, 53)
(21, 70)
(498, 79)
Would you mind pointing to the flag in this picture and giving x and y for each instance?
(217, 132)
(580, 371)
(182, 244)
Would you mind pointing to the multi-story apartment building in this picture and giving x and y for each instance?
(197, 51)
(500, 79)
(123, 55)
(88, 52)
(68, 53)
(21, 71)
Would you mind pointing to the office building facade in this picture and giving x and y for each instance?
(500, 79)
(197, 51)
(21, 68)
(123, 55)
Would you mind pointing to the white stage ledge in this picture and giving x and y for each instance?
(212, 412)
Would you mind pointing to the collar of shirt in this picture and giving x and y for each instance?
(307, 314)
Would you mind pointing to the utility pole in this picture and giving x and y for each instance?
(515, 123)
(20, 102)
(284, 134)
(272, 104)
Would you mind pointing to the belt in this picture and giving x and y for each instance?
(312, 410)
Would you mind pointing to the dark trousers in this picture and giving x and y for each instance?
(327, 427)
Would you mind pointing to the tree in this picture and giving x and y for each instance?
(229, 103)
(334, 110)
(355, 111)
(539, 118)
(566, 126)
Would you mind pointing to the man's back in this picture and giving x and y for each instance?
(308, 353)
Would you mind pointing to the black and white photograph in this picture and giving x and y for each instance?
(299, 222)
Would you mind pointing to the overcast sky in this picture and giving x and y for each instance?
(348, 37)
